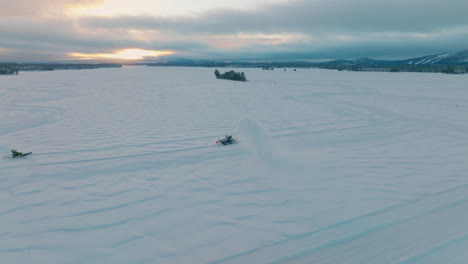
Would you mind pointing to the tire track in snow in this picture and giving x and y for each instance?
(127, 146)
(108, 225)
(393, 242)
(375, 237)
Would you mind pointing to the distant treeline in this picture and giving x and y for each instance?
(442, 68)
(231, 75)
(15, 68)
(8, 69)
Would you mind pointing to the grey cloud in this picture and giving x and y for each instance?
(390, 28)
(28, 8)
(311, 16)
(331, 28)
(41, 39)
(375, 48)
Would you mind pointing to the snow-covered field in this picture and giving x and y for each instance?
(332, 167)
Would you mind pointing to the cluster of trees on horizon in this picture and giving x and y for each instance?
(231, 75)
(7, 69)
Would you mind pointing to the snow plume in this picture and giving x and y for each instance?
(278, 160)
(255, 140)
(5, 152)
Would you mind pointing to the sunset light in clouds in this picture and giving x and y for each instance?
(164, 8)
(123, 7)
(55, 30)
(126, 54)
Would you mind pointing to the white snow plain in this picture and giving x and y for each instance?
(332, 167)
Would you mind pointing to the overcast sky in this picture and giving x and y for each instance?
(241, 29)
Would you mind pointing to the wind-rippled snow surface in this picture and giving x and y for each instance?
(332, 167)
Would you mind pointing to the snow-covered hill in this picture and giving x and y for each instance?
(457, 58)
(444, 58)
(331, 167)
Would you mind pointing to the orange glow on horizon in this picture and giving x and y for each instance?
(126, 54)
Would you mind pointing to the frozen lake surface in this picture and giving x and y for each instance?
(332, 167)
